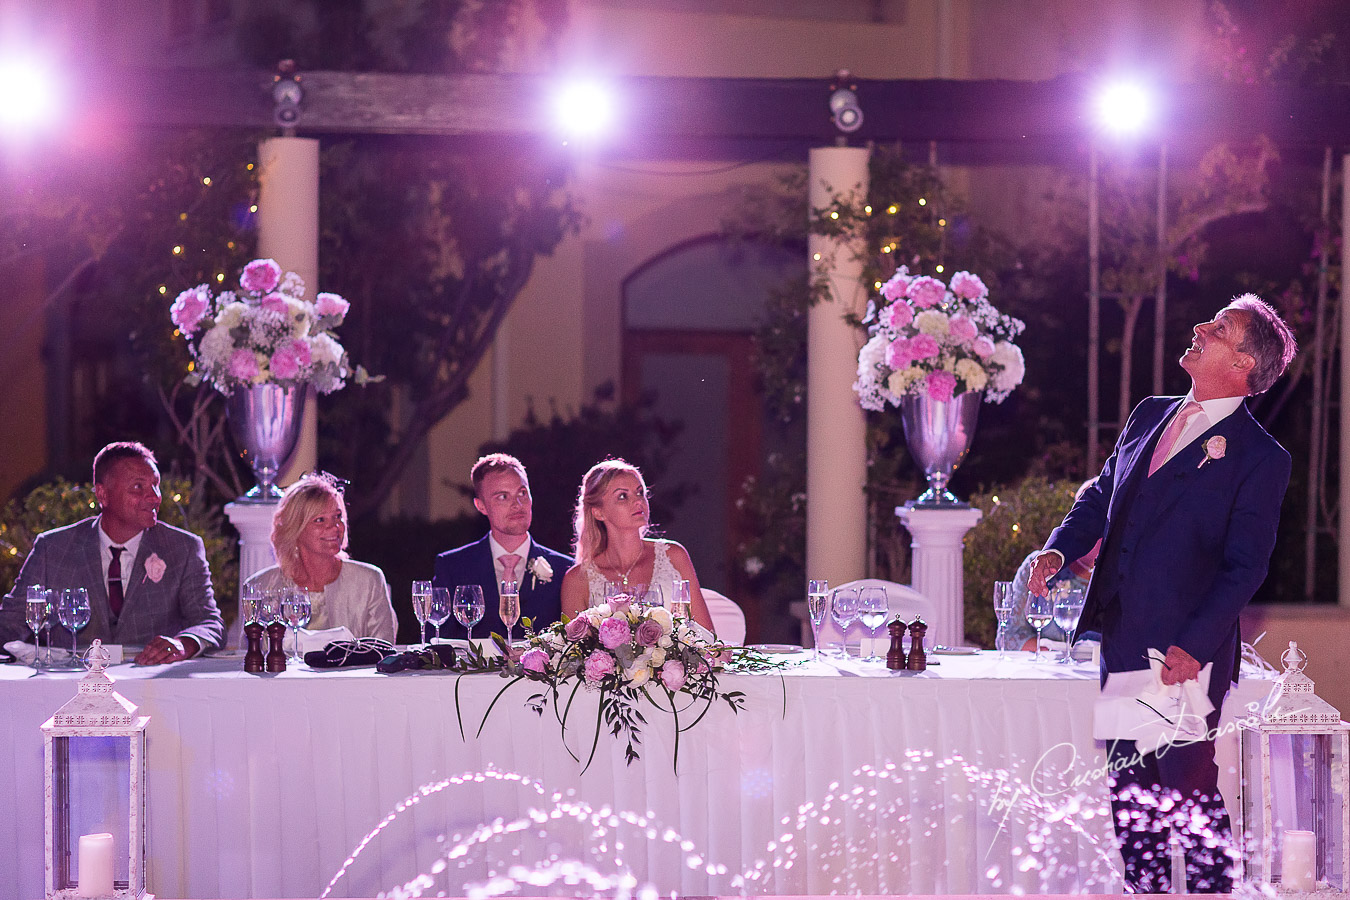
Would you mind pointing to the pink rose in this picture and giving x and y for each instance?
(1215, 448)
(274, 303)
(648, 633)
(260, 275)
(243, 364)
(189, 308)
(577, 629)
(331, 305)
(615, 632)
(894, 288)
(926, 292)
(534, 661)
(598, 665)
(898, 315)
(154, 567)
(284, 363)
(968, 286)
(984, 347)
(941, 384)
(673, 675)
(923, 346)
(962, 330)
(898, 354)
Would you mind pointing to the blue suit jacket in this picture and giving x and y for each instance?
(1183, 550)
(540, 601)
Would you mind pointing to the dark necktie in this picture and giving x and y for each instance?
(115, 581)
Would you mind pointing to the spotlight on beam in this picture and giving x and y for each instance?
(29, 94)
(583, 109)
(1124, 108)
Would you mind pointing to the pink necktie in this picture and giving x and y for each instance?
(509, 561)
(1170, 436)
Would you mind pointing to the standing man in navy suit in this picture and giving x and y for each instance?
(1186, 508)
(502, 493)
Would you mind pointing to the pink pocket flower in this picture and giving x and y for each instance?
(941, 384)
(615, 633)
(260, 275)
(1215, 448)
(598, 665)
(154, 568)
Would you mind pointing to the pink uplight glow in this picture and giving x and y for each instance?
(30, 94)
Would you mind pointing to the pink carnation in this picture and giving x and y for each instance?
(243, 364)
(615, 633)
(189, 308)
(331, 305)
(673, 674)
(927, 292)
(941, 384)
(260, 275)
(898, 315)
(649, 633)
(289, 358)
(599, 664)
(968, 286)
(898, 354)
(894, 289)
(274, 303)
(984, 347)
(534, 660)
(923, 346)
(962, 329)
(577, 629)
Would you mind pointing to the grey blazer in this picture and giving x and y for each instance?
(181, 602)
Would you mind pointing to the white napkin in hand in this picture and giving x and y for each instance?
(1137, 706)
(317, 640)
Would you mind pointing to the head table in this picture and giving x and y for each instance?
(979, 776)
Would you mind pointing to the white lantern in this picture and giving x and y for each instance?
(1294, 787)
(94, 765)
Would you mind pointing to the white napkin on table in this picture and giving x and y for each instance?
(1137, 706)
(317, 640)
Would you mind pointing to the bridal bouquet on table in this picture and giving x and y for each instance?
(265, 332)
(937, 340)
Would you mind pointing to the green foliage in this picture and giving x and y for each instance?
(1017, 520)
(60, 502)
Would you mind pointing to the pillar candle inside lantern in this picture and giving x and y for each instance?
(1298, 870)
(96, 865)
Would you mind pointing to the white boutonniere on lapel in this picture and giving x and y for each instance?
(1214, 448)
(540, 572)
(154, 568)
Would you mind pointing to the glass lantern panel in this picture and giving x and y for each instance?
(97, 788)
(1306, 794)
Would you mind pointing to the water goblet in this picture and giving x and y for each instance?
(421, 599)
(649, 596)
(438, 610)
(35, 616)
(1068, 607)
(250, 596)
(679, 599)
(1039, 613)
(1003, 610)
(817, 605)
(619, 595)
(296, 610)
(269, 606)
(468, 606)
(73, 612)
(844, 611)
(873, 609)
(508, 605)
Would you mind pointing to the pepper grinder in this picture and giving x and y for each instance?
(917, 661)
(276, 650)
(253, 658)
(895, 657)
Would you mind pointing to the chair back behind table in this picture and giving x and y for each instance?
(727, 617)
(902, 600)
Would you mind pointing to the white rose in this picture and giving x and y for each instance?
(1009, 366)
(661, 616)
(658, 657)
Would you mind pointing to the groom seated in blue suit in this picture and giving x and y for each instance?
(148, 582)
(502, 493)
(1186, 509)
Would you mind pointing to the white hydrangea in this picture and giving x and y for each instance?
(933, 322)
(873, 355)
(1009, 367)
(900, 381)
(216, 346)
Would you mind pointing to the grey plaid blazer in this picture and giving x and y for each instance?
(181, 602)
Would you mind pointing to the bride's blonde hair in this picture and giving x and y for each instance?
(590, 535)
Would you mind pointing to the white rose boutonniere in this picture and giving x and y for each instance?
(154, 568)
(540, 572)
(1214, 448)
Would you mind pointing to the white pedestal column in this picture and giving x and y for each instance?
(836, 454)
(937, 543)
(253, 521)
(288, 231)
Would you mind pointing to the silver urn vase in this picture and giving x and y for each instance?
(265, 421)
(938, 433)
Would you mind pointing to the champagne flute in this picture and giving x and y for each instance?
(844, 610)
(35, 616)
(817, 605)
(421, 599)
(73, 612)
(1003, 610)
(438, 611)
(468, 606)
(250, 597)
(296, 609)
(508, 606)
(679, 599)
(1039, 613)
(873, 609)
(1068, 608)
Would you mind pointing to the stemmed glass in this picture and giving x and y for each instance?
(649, 596)
(421, 599)
(438, 610)
(817, 605)
(873, 609)
(1068, 607)
(679, 599)
(35, 616)
(1039, 613)
(844, 610)
(468, 606)
(73, 612)
(619, 594)
(250, 599)
(1003, 610)
(296, 609)
(508, 607)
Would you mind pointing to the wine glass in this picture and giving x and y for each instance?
(73, 612)
(618, 594)
(269, 606)
(468, 606)
(508, 606)
(817, 605)
(679, 599)
(438, 610)
(296, 609)
(647, 597)
(421, 599)
(1039, 613)
(844, 610)
(1003, 610)
(35, 616)
(1068, 607)
(873, 609)
(250, 597)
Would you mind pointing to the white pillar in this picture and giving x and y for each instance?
(288, 231)
(937, 543)
(253, 521)
(1343, 568)
(836, 454)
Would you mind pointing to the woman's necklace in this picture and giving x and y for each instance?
(641, 553)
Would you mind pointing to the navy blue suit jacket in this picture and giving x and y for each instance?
(1183, 550)
(540, 601)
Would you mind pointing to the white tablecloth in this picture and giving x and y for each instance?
(952, 781)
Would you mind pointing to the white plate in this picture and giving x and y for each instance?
(955, 651)
(777, 648)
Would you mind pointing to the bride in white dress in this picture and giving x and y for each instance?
(611, 544)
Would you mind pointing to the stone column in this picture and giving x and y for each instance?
(937, 543)
(253, 521)
(836, 454)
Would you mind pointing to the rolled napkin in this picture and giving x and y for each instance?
(349, 654)
(321, 638)
(435, 656)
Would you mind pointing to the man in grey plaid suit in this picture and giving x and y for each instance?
(148, 582)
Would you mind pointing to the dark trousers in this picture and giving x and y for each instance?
(1171, 794)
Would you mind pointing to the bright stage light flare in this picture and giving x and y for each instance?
(584, 108)
(29, 94)
(1124, 108)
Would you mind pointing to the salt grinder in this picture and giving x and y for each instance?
(917, 661)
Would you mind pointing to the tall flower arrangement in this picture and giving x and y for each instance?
(932, 339)
(265, 332)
